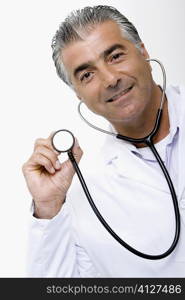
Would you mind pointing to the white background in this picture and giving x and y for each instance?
(34, 101)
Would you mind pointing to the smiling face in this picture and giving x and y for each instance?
(110, 75)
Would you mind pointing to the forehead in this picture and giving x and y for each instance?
(93, 43)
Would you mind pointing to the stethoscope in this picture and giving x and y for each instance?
(62, 135)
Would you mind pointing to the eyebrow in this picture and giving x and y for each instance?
(104, 54)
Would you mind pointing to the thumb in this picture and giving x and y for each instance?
(77, 151)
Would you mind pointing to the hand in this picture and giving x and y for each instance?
(47, 179)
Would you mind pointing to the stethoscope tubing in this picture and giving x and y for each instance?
(109, 229)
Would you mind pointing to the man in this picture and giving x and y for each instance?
(99, 53)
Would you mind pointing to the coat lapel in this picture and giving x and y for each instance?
(131, 166)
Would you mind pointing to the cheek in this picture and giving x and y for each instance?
(90, 100)
(137, 69)
(91, 95)
(145, 73)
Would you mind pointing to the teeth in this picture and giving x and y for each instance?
(121, 94)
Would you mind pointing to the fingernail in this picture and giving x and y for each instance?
(52, 170)
(57, 165)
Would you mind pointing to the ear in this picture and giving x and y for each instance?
(143, 51)
(145, 54)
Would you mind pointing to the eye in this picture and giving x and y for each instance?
(86, 76)
(117, 56)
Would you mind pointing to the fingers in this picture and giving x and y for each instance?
(48, 154)
(45, 142)
(40, 160)
(44, 156)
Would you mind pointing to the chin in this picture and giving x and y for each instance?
(126, 115)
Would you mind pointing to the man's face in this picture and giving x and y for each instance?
(109, 74)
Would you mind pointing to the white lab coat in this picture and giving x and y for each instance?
(135, 201)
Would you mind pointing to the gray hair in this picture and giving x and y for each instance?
(83, 20)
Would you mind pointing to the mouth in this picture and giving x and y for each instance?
(122, 93)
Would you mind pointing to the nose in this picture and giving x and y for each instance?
(109, 77)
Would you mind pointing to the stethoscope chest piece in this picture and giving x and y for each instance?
(63, 140)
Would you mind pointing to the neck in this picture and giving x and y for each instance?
(145, 123)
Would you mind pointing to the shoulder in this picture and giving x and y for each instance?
(176, 96)
(178, 90)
